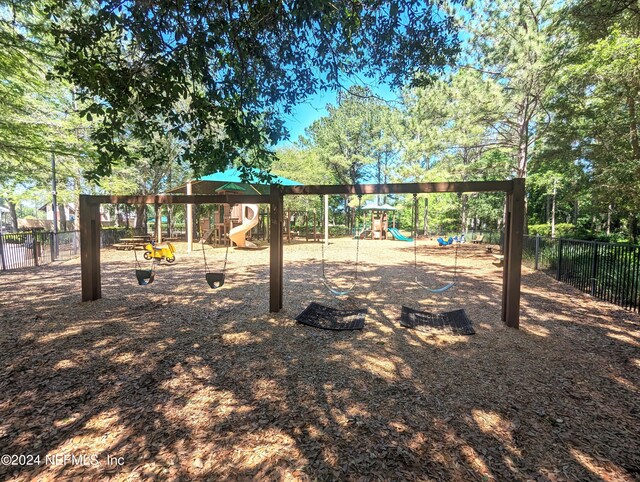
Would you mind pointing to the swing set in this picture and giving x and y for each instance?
(341, 292)
(514, 224)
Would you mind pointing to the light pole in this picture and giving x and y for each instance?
(54, 195)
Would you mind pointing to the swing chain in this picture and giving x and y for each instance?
(324, 279)
(204, 256)
(415, 254)
(358, 210)
(138, 265)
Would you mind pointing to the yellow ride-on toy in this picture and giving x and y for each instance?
(160, 251)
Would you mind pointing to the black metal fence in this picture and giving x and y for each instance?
(35, 248)
(607, 271)
(540, 253)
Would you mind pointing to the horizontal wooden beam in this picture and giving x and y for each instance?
(405, 188)
(182, 199)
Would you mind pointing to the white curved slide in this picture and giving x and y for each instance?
(237, 234)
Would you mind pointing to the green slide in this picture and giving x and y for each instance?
(396, 234)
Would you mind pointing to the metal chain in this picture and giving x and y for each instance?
(324, 279)
(226, 256)
(139, 266)
(415, 253)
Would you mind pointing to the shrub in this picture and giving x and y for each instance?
(563, 230)
(541, 229)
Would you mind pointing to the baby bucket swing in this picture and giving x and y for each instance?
(334, 290)
(445, 287)
(214, 279)
(145, 276)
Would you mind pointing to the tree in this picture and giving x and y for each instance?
(356, 140)
(450, 128)
(512, 44)
(596, 102)
(37, 117)
(237, 65)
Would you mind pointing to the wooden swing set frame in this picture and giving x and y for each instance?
(514, 225)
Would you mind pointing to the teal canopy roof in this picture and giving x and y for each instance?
(378, 207)
(233, 175)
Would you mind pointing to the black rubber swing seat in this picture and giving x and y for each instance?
(454, 322)
(326, 318)
(145, 276)
(214, 280)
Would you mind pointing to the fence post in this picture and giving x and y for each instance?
(34, 246)
(537, 257)
(4, 266)
(52, 246)
(594, 268)
(558, 267)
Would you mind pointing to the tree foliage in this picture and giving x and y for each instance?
(218, 75)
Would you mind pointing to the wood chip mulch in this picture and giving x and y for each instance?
(175, 381)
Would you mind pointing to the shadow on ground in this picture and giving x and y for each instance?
(184, 382)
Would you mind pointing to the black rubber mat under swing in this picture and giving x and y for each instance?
(450, 322)
(326, 318)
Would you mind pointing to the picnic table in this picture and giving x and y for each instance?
(134, 242)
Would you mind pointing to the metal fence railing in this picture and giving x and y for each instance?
(607, 271)
(36, 248)
(23, 250)
(540, 253)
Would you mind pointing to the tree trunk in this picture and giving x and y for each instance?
(62, 215)
(609, 212)
(141, 217)
(13, 214)
(464, 199)
(633, 228)
(575, 212)
(553, 211)
(633, 128)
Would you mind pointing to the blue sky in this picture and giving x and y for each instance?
(304, 114)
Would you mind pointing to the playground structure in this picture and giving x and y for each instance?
(379, 221)
(514, 224)
(228, 218)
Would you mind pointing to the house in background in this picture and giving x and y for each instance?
(68, 216)
(5, 220)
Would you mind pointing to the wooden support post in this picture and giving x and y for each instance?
(158, 212)
(189, 221)
(90, 249)
(326, 220)
(505, 252)
(276, 253)
(513, 253)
